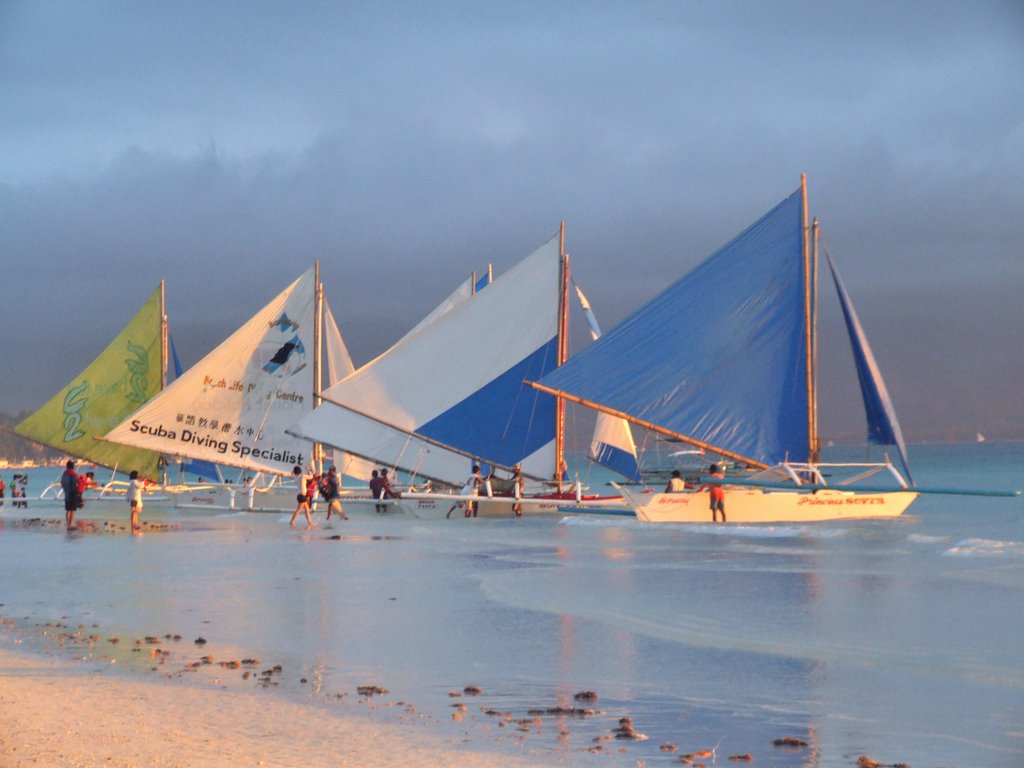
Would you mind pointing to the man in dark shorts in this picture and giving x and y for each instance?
(69, 484)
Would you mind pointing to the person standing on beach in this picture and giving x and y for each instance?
(332, 494)
(134, 496)
(302, 497)
(69, 484)
(376, 489)
(2, 487)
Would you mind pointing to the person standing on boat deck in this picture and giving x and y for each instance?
(134, 496)
(376, 489)
(716, 493)
(2, 488)
(332, 494)
(676, 484)
(69, 484)
(301, 497)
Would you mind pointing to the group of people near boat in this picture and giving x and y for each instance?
(716, 494)
(309, 484)
(74, 484)
(477, 483)
(18, 484)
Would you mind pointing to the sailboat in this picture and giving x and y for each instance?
(451, 394)
(233, 407)
(724, 359)
(126, 374)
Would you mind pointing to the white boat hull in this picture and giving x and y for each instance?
(437, 506)
(756, 505)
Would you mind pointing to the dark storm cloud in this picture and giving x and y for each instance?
(224, 147)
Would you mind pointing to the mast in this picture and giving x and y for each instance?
(318, 321)
(563, 346)
(816, 445)
(812, 435)
(163, 339)
(161, 462)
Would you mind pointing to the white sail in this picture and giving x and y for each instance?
(612, 444)
(339, 365)
(453, 390)
(234, 405)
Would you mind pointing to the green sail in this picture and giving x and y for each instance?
(116, 384)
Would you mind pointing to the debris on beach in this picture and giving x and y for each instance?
(588, 696)
(625, 730)
(866, 762)
(789, 741)
(472, 690)
(371, 690)
(570, 711)
(746, 757)
(200, 641)
(668, 747)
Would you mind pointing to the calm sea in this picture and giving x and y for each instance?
(902, 640)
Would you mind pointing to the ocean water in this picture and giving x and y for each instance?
(899, 639)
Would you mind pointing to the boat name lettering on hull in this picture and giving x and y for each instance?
(858, 500)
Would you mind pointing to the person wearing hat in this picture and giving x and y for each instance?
(676, 484)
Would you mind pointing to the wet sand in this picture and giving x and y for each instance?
(60, 712)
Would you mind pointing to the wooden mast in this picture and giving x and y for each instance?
(163, 338)
(812, 436)
(816, 445)
(562, 353)
(164, 344)
(318, 320)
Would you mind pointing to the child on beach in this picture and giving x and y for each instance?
(134, 496)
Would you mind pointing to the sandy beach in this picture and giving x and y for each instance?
(62, 713)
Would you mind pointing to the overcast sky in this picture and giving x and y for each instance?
(224, 146)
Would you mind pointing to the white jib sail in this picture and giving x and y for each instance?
(375, 412)
(338, 366)
(233, 406)
(612, 443)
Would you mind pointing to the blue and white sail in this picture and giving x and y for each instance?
(452, 392)
(720, 358)
(720, 355)
(612, 445)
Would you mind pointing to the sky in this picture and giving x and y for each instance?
(223, 147)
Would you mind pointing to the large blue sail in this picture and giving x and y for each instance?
(883, 428)
(720, 355)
